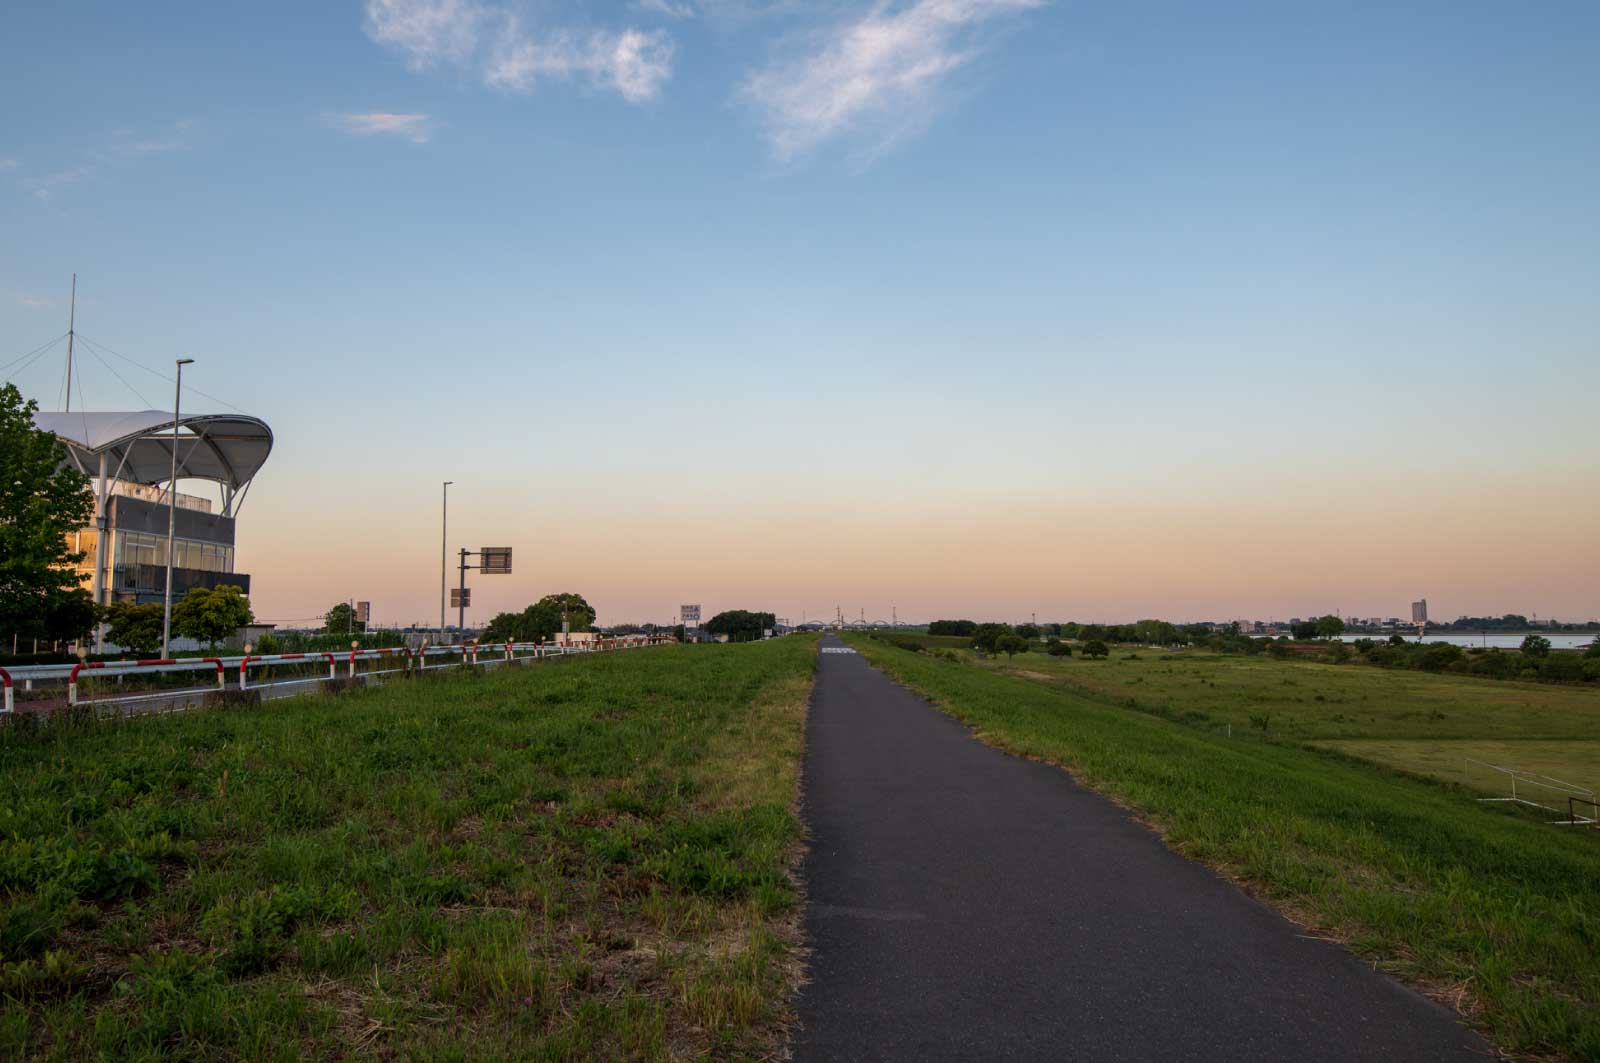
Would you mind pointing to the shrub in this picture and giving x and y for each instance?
(1278, 650)
(1536, 646)
(1439, 656)
(1562, 668)
(1059, 649)
(1096, 648)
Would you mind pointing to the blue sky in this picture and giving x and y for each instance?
(976, 271)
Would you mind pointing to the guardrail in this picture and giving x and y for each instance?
(161, 664)
(253, 672)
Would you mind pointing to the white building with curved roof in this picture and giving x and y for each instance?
(129, 456)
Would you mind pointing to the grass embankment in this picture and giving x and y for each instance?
(1422, 722)
(583, 859)
(1487, 910)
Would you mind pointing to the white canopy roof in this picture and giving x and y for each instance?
(228, 448)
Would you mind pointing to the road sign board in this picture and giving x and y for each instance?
(495, 560)
(689, 614)
(363, 611)
(460, 599)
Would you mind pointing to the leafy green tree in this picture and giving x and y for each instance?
(135, 627)
(1058, 649)
(341, 619)
(1028, 631)
(1593, 652)
(1096, 648)
(1397, 640)
(1329, 627)
(42, 500)
(570, 608)
(211, 614)
(1536, 646)
(1011, 645)
(740, 625)
(986, 636)
(961, 628)
(1156, 633)
(1306, 629)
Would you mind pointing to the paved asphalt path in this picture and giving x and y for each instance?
(968, 905)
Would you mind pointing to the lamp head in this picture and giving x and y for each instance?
(185, 361)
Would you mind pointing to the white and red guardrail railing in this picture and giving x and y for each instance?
(385, 661)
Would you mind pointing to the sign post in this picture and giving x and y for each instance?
(492, 561)
(688, 615)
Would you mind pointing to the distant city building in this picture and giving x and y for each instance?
(1419, 612)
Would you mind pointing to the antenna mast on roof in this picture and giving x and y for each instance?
(72, 321)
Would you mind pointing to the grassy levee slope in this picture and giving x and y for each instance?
(1485, 909)
(1426, 723)
(582, 859)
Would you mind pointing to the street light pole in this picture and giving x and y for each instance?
(172, 509)
(444, 535)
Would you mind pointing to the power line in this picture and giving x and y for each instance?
(156, 373)
(113, 371)
(37, 351)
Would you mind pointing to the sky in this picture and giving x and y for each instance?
(924, 308)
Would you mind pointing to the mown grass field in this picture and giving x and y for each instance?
(1418, 721)
(580, 860)
(1488, 910)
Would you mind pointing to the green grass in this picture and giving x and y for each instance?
(1489, 910)
(1419, 721)
(580, 860)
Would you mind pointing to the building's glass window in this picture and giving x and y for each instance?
(138, 548)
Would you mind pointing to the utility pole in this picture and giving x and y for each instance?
(172, 505)
(444, 535)
(461, 619)
(72, 322)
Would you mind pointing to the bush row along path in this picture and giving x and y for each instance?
(966, 904)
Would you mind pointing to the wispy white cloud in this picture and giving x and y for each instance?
(494, 44)
(417, 128)
(45, 187)
(669, 8)
(126, 144)
(34, 302)
(882, 71)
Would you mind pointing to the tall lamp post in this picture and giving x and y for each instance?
(172, 509)
(444, 536)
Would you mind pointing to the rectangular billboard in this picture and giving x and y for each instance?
(689, 614)
(495, 560)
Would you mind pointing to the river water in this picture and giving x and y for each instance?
(1558, 640)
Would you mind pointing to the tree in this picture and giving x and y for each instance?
(1306, 629)
(341, 619)
(740, 625)
(1059, 649)
(1011, 645)
(42, 500)
(70, 614)
(1028, 631)
(1536, 646)
(985, 636)
(570, 608)
(135, 627)
(962, 628)
(1095, 648)
(1593, 652)
(1329, 627)
(212, 614)
(1156, 633)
